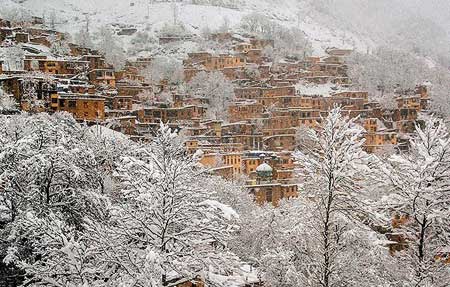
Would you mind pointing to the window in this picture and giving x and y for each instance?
(269, 196)
(72, 104)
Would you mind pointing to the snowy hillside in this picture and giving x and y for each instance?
(143, 14)
(359, 24)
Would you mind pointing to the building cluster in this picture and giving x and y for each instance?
(273, 101)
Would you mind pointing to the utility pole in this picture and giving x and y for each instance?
(87, 23)
(148, 10)
(175, 13)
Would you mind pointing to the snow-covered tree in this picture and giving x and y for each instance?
(422, 37)
(43, 165)
(83, 36)
(439, 92)
(388, 101)
(225, 26)
(61, 255)
(278, 266)
(264, 230)
(269, 52)
(291, 43)
(13, 58)
(386, 71)
(395, 23)
(29, 95)
(252, 72)
(303, 140)
(256, 23)
(84, 39)
(164, 68)
(107, 43)
(30, 84)
(52, 19)
(51, 181)
(59, 47)
(217, 89)
(162, 212)
(16, 15)
(173, 30)
(7, 103)
(288, 42)
(146, 97)
(334, 245)
(143, 41)
(417, 191)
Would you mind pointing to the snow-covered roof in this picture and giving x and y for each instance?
(108, 134)
(264, 167)
(227, 211)
(38, 47)
(327, 89)
(245, 276)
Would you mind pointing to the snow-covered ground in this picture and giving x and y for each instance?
(71, 15)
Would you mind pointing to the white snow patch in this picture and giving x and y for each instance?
(311, 89)
(228, 212)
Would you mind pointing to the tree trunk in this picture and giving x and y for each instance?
(422, 238)
(326, 234)
(421, 249)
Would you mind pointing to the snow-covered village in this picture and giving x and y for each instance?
(225, 143)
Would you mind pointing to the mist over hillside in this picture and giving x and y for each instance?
(406, 25)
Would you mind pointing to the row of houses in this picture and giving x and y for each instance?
(267, 114)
